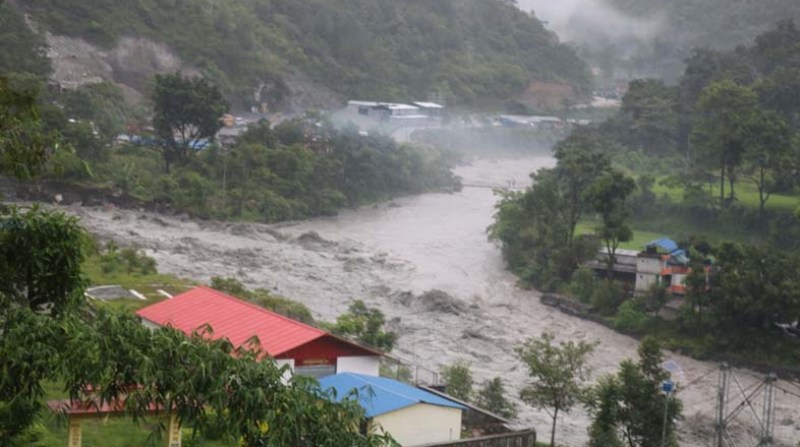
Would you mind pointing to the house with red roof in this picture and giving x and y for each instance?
(307, 350)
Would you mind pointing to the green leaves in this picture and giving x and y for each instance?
(40, 260)
(24, 143)
(557, 374)
(458, 380)
(185, 112)
(628, 408)
(364, 325)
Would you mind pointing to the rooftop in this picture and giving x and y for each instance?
(236, 320)
(379, 395)
(428, 105)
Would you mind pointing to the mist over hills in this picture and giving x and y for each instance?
(651, 38)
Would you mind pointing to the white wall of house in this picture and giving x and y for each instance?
(644, 281)
(421, 424)
(678, 279)
(367, 365)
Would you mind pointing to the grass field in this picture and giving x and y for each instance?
(746, 194)
(640, 237)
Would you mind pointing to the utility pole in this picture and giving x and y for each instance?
(667, 387)
(722, 391)
(768, 411)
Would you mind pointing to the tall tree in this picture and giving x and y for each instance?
(768, 157)
(608, 196)
(580, 161)
(628, 408)
(557, 374)
(724, 112)
(534, 230)
(649, 108)
(186, 111)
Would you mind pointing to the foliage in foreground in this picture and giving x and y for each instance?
(211, 386)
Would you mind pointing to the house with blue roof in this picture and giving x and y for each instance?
(411, 415)
(662, 262)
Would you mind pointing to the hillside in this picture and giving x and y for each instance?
(466, 51)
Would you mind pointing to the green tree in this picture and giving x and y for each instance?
(583, 284)
(628, 408)
(40, 260)
(186, 111)
(725, 111)
(557, 373)
(24, 143)
(753, 289)
(458, 381)
(492, 397)
(608, 196)
(768, 156)
(533, 228)
(649, 108)
(580, 162)
(365, 325)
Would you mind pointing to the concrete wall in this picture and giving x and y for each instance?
(367, 365)
(421, 424)
(644, 281)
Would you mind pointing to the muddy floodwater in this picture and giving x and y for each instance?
(389, 255)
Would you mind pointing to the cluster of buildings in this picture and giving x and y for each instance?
(412, 415)
(662, 263)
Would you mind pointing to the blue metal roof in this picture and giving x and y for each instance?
(378, 395)
(664, 243)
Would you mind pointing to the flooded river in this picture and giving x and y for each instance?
(389, 254)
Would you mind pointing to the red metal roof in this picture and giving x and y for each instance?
(236, 320)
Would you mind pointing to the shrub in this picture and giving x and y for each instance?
(584, 282)
(607, 297)
(128, 260)
(630, 317)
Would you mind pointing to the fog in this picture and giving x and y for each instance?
(583, 21)
(609, 38)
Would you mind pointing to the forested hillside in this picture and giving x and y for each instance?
(465, 50)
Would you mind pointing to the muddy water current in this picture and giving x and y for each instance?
(388, 255)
